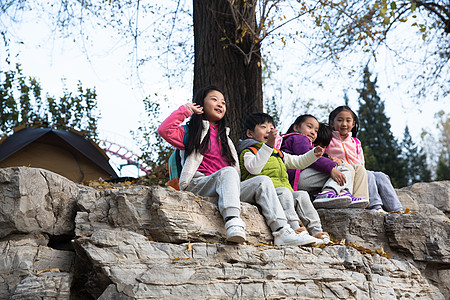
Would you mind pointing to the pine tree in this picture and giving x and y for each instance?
(443, 166)
(380, 146)
(416, 169)
(443, 169)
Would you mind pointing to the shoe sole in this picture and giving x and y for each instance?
(238, 239)
(332, 203)
(297, 244)
(360, 204)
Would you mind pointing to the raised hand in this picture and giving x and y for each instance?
(272, 137)
(319, 151)
(195, 108)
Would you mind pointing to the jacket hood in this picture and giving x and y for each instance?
(246, 143)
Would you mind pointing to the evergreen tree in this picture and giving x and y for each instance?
(416, 169)
(381, 149)
(443, 165)
(443, 168)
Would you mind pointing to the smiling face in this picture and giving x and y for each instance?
(214, 106)
(343, 122)
(261, 132)
(308, 128)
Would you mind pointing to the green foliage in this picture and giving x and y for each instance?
(375, 133)
(155, 150)
(21, 102)
(416, 169)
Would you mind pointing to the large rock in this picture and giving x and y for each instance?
(163, 215)
(36, 200)
(142, 269)
(431, 199)
(152, 242)
(405, 235)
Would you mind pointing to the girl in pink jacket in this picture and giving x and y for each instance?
(344, 145)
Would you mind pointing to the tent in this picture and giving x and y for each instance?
(65, 152)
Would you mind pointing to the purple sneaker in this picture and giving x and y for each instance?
(357, 202)
(329, 199)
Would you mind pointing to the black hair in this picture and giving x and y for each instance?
(256, 119)
(324, 135)
(195, 127)
(299, 121)
(337, 110)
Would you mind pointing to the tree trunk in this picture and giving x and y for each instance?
(225, 66)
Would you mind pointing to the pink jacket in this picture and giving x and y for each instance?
(173, 133)
(348, 149)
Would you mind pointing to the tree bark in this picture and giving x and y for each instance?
(223, 65)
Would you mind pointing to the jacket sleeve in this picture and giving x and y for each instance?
(299, 161)
(300, 144)
(255, 163)
(170, 129)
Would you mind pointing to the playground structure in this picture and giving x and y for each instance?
(129, 156)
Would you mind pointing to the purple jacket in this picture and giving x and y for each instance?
(298, 144)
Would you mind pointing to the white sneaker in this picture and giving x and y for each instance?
(378, 210)
(326, 239)
(287, 236)
(235, 230)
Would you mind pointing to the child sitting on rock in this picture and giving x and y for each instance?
(258, 157)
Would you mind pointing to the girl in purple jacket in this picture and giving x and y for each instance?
(333, 182)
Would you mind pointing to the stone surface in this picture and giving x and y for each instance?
(162, 214)
(45, 286)
(143, 269)
(405, 235)
(23, 260)
(36, 200)
(60, 240)
(431, 199)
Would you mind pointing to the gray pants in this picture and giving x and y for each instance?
(312, 180)
(226, 185)
(298, 204)
(381, 192)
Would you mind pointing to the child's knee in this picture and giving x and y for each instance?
(229, 171)
(264, 180)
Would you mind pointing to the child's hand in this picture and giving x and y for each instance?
(338, 176)
(300, 229)
(195, 108)
(319, 151)
(322, 235)
(272, 137)
(336, 160)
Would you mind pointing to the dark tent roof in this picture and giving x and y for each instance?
(26, 136)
